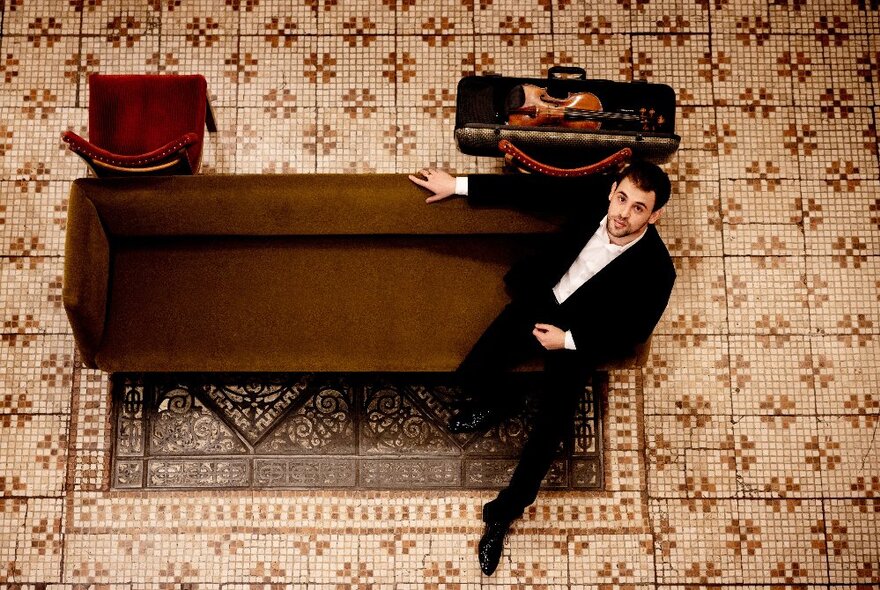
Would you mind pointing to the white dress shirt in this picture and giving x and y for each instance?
(596, 255)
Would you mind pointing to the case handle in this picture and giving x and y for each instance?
(566, 73)
(616, 159)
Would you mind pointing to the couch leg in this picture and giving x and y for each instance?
(210, 120)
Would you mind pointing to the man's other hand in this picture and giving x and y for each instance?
(437, 181)
(550, 337)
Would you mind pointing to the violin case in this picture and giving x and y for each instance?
(635, 115)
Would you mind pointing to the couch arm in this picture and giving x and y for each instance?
(86, 274)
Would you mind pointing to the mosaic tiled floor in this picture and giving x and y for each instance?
(743, 455)
(341, 431)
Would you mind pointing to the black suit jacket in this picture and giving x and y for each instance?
(617, 308)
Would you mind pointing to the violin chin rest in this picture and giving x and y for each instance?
(516, 99)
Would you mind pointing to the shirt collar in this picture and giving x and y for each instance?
(605, 238)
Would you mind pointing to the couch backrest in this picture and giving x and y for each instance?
(307, 204)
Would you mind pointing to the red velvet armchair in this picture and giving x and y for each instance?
(144, 124)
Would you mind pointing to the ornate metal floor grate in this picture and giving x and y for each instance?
(367, 431)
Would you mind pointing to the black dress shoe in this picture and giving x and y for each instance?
(472, 420)
(491, 545)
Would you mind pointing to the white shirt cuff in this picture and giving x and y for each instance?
(569, 341)
(461, 185)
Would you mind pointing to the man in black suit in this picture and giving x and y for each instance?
(591, 295)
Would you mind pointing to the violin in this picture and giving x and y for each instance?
(531, 106)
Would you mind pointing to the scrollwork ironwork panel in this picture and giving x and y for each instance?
(393, 423)
(334, 430)
(181, 425)
(255, 405)
(323, 423)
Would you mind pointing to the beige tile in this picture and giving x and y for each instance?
(772, 375)
(38, 377)
(778, 208)
(767, 295)
(279, 80)
(842, 297)
(696, 541)
(851, 527)
(683, 61)
(512, 18)
(35, 454)
(360, 17)
(35, 218)
(780, 457)
(687, 375)
(748, 67)
(13, 515)
(597, 48)
(841, 220)
(698, 304)
(846, 453)
(435, 18)
(672, 16)
(691, 223)
(782, 541)
(845, 375)
(39, 90)
(612, 559)
(41, 540)
(34, 159)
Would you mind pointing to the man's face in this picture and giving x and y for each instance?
(630, 210)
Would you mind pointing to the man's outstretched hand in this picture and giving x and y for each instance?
(437, 181)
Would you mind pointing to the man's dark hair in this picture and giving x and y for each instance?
(650, 178)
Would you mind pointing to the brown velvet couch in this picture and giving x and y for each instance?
(284, 273)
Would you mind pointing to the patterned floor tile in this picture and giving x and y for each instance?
(848, 457)
(40, 541)
(845, 375)
(13, 514)
(687, 68)
(772, 375)
(842, 296)
(512, 19)
(691, 457)
(673, 16)
(672, 384)
(34, 155)
(279, 19)
(512, 55)
(285, 148)
(698, 304)
(30, 297)
(609, 560)
(35, 455)
(780, 457)
(750, 462)
(852, 543)
(780, 308)
(435, 19)
(744, 203)
(681, 558)
(782, 541)
(842, 222)
(603, 54)
(39, 375)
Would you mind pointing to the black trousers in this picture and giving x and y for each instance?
(506, 343)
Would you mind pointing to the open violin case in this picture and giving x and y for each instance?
(559, 131)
